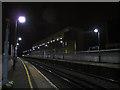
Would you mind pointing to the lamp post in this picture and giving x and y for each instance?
(98, 32)
(63, 48)
(20, 19)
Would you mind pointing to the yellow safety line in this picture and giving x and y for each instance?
(30, 83)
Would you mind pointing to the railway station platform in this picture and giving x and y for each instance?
(93, 63)
(26, 75)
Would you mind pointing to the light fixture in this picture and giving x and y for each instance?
(53, 40)
(61, 41)
(57, 39)
(19, 38)
(21, 19)
(17, 43)
(96, 30)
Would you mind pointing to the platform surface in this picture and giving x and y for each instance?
(26, 75)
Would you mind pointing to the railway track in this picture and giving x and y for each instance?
(76, 78)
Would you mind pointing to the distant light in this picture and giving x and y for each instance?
(17, 43)
(24, 51)
(46, 45)
(53, 40)
(57, 39)
(19, 38)
(21, 19)
(23, 55)
(96, 30)
(33, 48)
(48, 42)
(38, 47)
(61, 41)
(60, 38)
(43, 44)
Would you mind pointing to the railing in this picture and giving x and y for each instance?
(110, 56)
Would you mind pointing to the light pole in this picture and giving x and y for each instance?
(20, 19)
(63, 48)
(98, 32)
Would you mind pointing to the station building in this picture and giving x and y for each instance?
(72, 40)
(68, 40)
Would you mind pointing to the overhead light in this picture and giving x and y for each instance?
(17, 43)
(96, 30)
(19, 38)
(53, 40)
(61, 41)
(57, 39)
(38, 47)
(21, 19)
(48, 42)
(33, 48)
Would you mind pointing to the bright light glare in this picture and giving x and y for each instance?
(19, 38)
(17, 43)
(46, 45)
(61, 41)
(53, 40)
(48, 42)
(21, 19)
(57, 39)
(96, 30)
(60, 38)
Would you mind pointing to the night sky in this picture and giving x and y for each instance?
(46, 18)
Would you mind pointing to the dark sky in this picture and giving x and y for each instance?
(44, 19)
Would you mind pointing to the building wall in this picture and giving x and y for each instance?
(70, 40)
(75, 39)
(70, 46)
